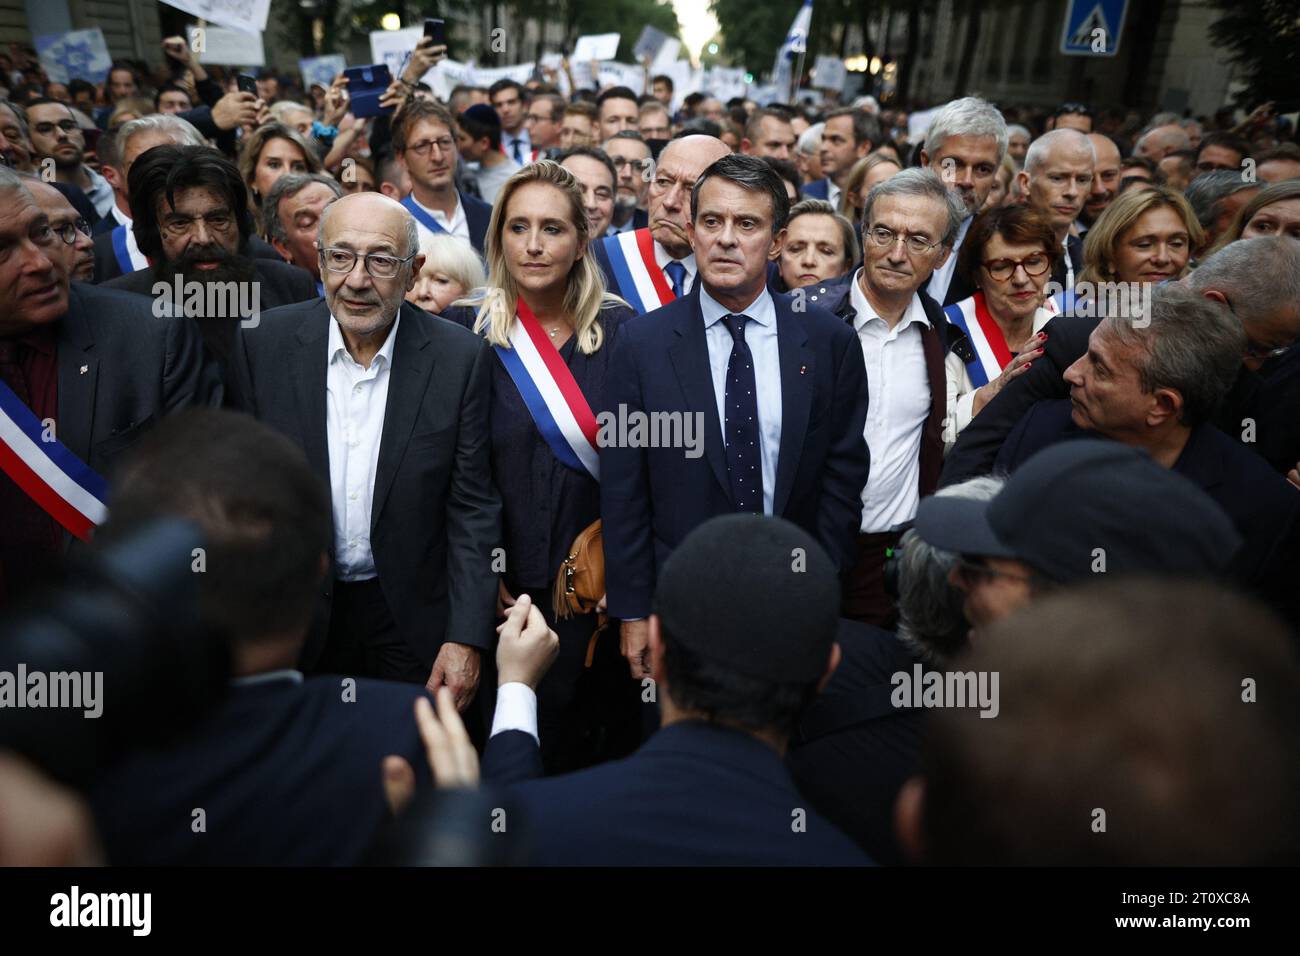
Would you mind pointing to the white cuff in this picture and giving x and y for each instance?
(516, 710)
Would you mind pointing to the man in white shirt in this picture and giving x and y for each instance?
(403, 447)
(909, 224)
(424, 142)
(57, 137)
(964, 146)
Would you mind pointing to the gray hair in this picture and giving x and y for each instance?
(279, 108)
(181, 131)
(931, 620)
(1208, 189)
(810, 140)
(412, 245)
(1258, 276)
(924, 184)
(1187, 343)
(20, 115)
(1173, 134)
(968, 116)
(1016, 128)
(286, 187)
(454, 258)
(1069, 139)
(10, 180)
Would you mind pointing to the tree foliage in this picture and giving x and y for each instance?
(1262, 38)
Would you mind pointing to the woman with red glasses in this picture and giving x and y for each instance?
(1008, 255)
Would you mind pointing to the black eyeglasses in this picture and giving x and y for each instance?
(973, 572)
(1256, 351)
(68, 126)
(69, 230)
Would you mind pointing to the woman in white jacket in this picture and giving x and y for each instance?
(1008, 254)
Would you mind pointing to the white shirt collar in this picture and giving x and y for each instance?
(121, 217)
(762, 310)
(337, 345)
(866, 312)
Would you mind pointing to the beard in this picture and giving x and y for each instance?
(231, 266)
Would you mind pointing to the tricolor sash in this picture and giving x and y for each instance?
(62, 484)
(553, 397)
(992, 354)
(422, 216)
(126, 252)
(638, 276)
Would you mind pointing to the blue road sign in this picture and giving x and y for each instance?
(1092, 27)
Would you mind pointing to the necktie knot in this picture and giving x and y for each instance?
(736, 326)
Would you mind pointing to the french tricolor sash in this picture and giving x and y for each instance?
(422, 216)
(129, 257)
(62, 484)
(992, 354)
(553, 397)
(638, 276)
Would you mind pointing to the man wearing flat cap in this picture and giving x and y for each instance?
(731, 678)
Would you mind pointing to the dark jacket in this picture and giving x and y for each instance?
(651, 498)
(436, 516)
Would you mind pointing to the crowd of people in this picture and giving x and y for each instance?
(646, 462)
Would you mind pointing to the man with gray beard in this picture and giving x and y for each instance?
(412, 586)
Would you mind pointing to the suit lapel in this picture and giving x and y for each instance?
(309, 364)
(78, 376)
(407, 381)
(797, 374)
(690, 357)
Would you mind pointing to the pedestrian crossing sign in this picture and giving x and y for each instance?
(1092, 27)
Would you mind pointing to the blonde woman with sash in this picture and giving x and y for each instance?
(551, 322)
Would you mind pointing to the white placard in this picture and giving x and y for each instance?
(829, 73)
(667, 54)
(487, 75)
(77, 54)
(394, 47)
(595, 46)
(246, 16)
(321, 69)
(226, 47)
(919, 122)
(447, 75)
(622, 74)
(725, 82)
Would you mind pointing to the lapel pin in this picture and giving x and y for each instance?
(86, 368)
(802, 369)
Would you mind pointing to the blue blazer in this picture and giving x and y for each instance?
(817, 189)
(1263, 506)
(477, 215)
(651, 498)
(695, 794)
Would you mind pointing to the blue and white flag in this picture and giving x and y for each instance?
(796, 43)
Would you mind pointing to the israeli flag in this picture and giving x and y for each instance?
(796, 43)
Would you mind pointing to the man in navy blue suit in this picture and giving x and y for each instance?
(1153, 382)
(770, 393)
(741, 639)
(287, 769)
(849, 135)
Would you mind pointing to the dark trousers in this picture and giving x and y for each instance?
(865, 598)
(363, 639)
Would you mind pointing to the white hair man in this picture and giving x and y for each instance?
(1057, 178)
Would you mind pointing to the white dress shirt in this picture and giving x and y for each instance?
(833, 193)
(899, 387)
(760, 336)
(355, 400)
(525, 144)
(663, 258)
(942, 277)
(121, 218)
(516, 709)
(457, 225)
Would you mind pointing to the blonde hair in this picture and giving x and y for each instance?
(1103, 238)
(586, 293)
(858, 176)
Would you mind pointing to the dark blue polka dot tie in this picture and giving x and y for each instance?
(744, 453)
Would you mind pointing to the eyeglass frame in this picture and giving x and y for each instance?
(423, 147)
(367, 259)
(68, 126)
(78, 226)
(905, 238)
(1017, 264)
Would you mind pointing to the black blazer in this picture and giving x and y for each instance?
(1264, 506)
(436, 516)
(279, 283)
(477, 215)
(651, 498)
(287, 774)
(695, 794)
(107, 267)
(121, 368)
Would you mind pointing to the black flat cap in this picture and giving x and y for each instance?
(753, 593)
(1076, 497)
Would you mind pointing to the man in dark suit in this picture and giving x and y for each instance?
(286, 770)
(739, 644)
(774, 400)
(1154, 385)
(1057, 179)
(964, 147)
(97, 368)
(391, 406)
(424, 140)
(1262, 408)
(849, 135)
(189, 211)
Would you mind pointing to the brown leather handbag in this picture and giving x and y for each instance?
(581, 582)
